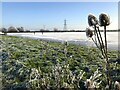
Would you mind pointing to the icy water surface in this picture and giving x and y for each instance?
(72, 37)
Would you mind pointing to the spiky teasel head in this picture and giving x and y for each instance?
(66, 43)
(92, 20)
(104, 19)
(89, 32)
(88, 83)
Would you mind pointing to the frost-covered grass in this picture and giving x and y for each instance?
(28, 63)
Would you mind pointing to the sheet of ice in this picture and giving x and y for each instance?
(72, 37)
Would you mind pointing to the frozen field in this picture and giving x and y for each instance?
(72, 37)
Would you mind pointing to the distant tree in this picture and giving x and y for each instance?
(72, 30)
(47, 30)
(55, 29)
(27, 30)
(12, 29)
(42, 30)
(20, 29)
(3, 30)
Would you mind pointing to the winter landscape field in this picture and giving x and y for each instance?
(54, 60)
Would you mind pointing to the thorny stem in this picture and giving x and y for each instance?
(102, 47)
(95, 43)
(65, 51)
(105, 42)
(107, 62)
(101, 44)
(95, 37)
(97, 46)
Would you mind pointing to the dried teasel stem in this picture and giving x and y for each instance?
(102, 44)
(95, 43)
(98, 47)
(107, 61)
(105, 21)
(105, 41)
(99, 40)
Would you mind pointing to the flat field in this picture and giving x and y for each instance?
(28, 63)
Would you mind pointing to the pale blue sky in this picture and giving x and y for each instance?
(119, 15)
(33, 15)
(60, 0)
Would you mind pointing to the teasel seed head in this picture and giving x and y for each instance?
(88, 83)
(117, 85)
(89, 32)
(92, 20)
(104, 19)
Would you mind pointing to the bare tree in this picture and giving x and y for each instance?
(20, 29)
(3, 30)
(12, 29)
